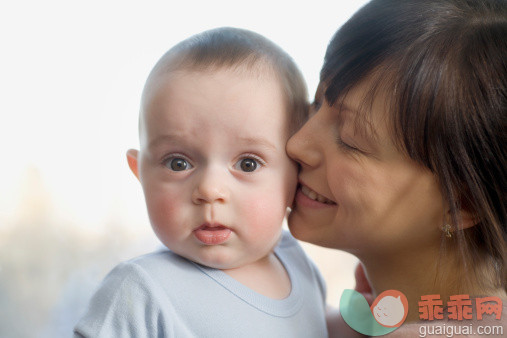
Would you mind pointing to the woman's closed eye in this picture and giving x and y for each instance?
(348, 147)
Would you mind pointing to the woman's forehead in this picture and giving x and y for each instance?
(364, 104)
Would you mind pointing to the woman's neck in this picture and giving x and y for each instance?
(422, 273)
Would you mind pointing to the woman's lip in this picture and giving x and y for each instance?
(302, 198)
(313, 195)
(212, 234)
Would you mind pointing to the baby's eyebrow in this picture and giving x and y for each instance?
(246, 140)
(257, 141)
(164, 139)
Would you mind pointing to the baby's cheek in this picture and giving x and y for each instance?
(164, 211)
(264, 212)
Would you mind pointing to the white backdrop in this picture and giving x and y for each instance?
(71, 75)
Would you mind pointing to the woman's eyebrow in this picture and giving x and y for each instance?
(362, 125)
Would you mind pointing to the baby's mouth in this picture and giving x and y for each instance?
(315, 196)
(211, 234)
(212, 227)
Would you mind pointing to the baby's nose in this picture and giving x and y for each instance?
(211, 187)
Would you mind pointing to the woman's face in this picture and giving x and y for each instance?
(357, 191)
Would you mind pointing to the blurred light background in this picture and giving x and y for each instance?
(71, 75)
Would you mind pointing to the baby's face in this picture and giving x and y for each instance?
(213, 167)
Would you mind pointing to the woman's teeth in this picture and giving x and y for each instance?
(314, 196)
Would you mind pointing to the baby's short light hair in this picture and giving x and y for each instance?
(228, 47)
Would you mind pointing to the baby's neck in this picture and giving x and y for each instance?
(266, 276)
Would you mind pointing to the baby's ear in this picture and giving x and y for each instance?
(132, 161)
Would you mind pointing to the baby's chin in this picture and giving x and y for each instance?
(212, 259)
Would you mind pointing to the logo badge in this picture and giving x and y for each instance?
(387, 313)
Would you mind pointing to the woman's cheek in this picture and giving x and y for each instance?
(351, 180)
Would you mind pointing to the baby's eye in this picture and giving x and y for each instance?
(177, 164)
(248, 164)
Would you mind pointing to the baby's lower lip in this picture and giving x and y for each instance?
(212, 234)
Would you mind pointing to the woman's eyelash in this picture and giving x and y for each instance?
(347, 146)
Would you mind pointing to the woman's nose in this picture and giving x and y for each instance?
(302, 146)
(210, 188)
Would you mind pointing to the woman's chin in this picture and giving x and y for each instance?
(302, 230)
(296, 225)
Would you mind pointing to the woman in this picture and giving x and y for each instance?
(403, 162)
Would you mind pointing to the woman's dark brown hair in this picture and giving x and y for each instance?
(443, 64)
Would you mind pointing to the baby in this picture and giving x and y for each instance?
(216, 112)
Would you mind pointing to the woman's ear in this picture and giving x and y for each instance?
(468, 220)
(132, 161)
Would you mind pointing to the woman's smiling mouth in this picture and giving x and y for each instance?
(315, 196)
